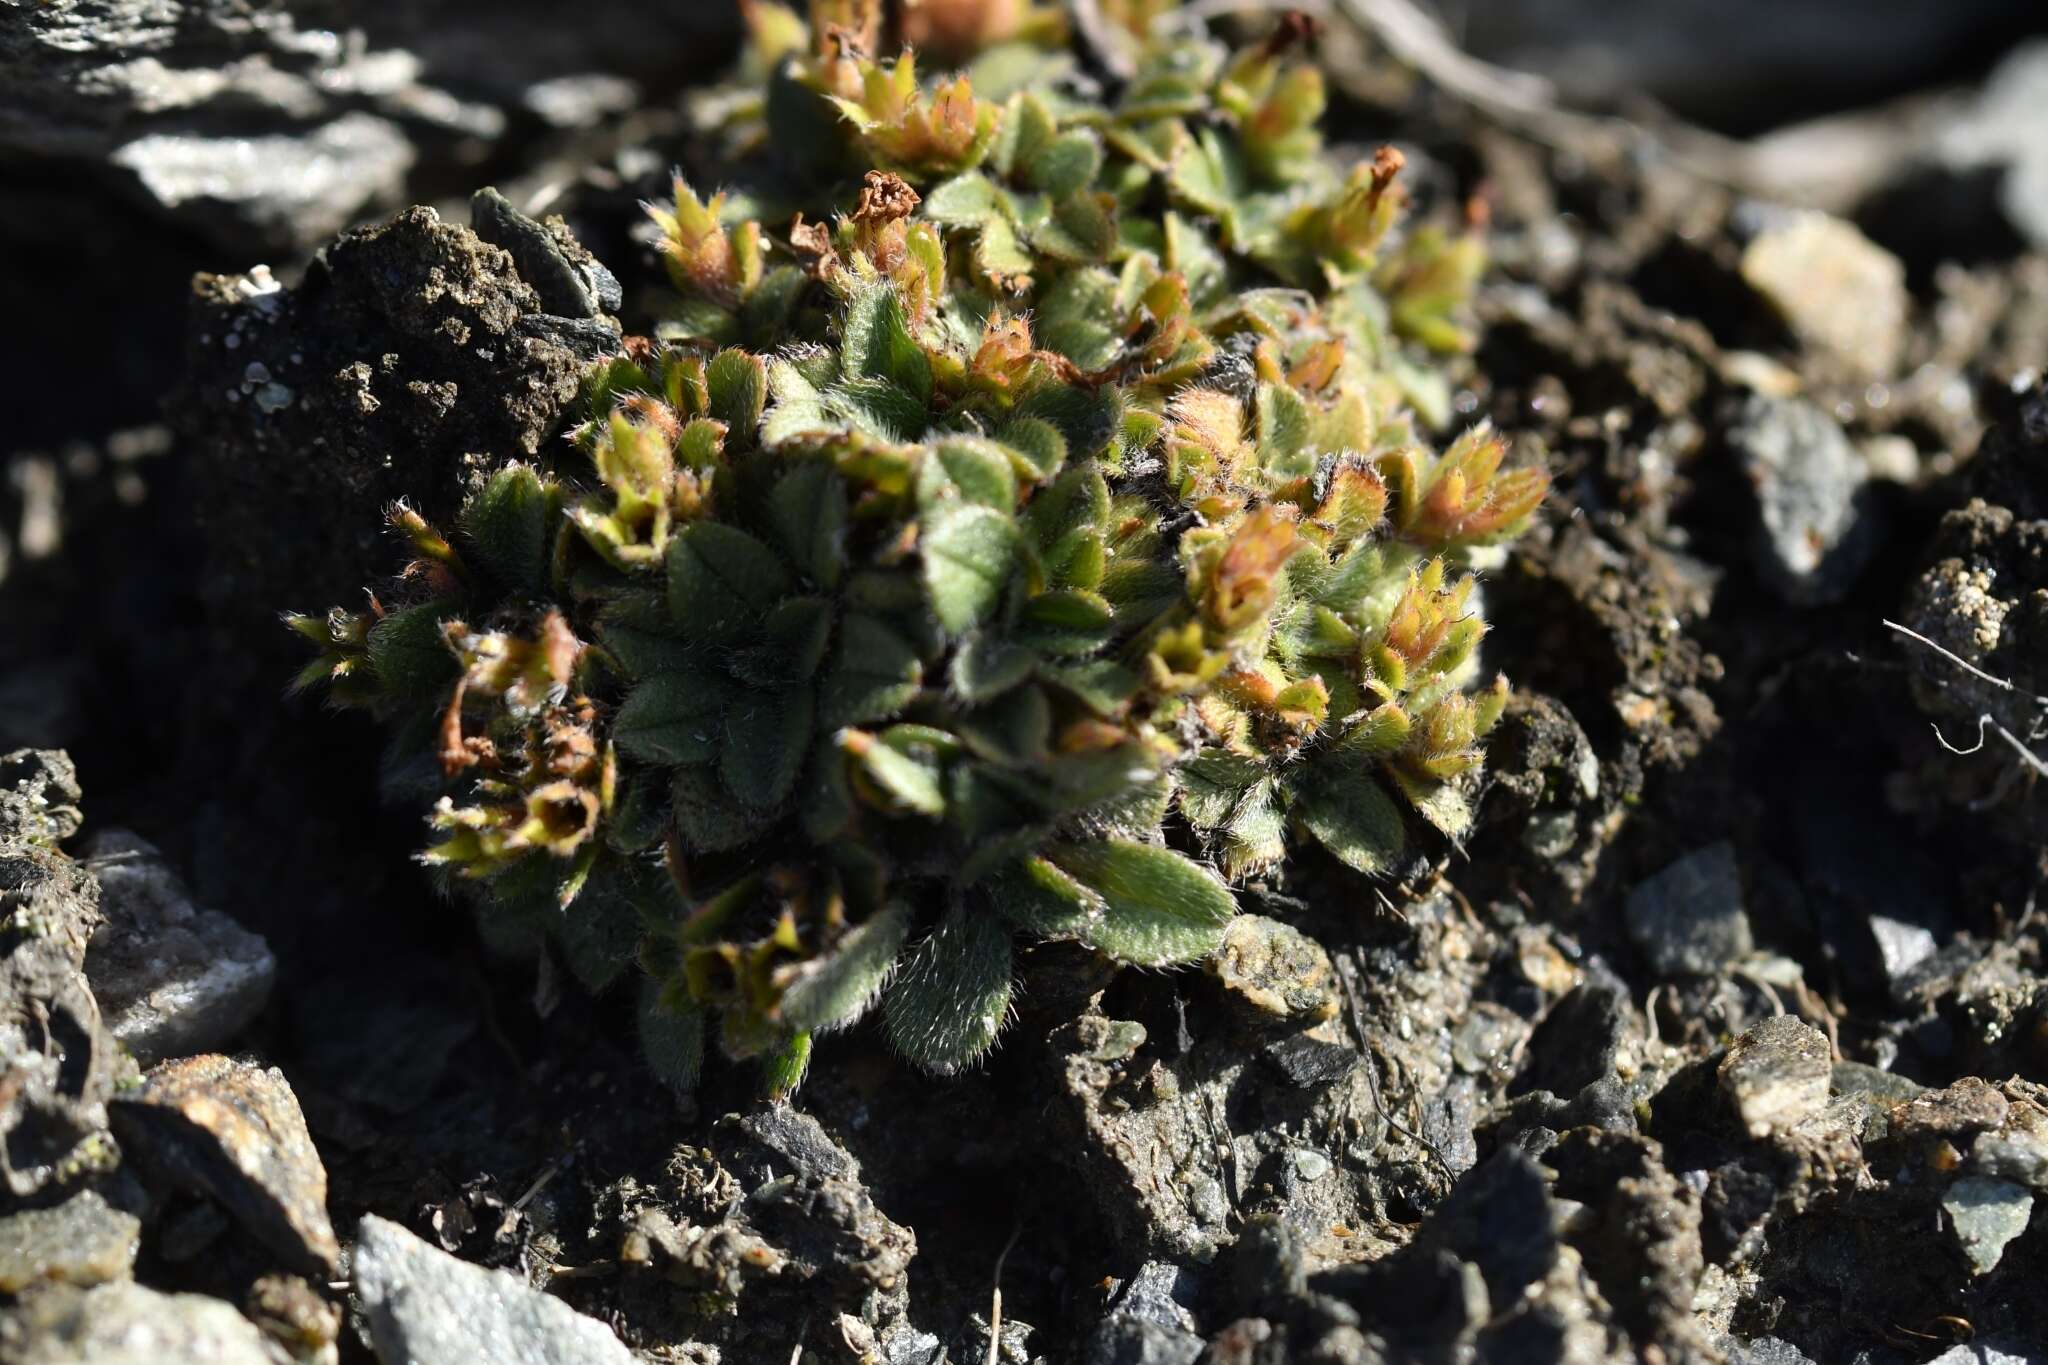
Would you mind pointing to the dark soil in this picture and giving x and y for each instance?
(1546, 1101)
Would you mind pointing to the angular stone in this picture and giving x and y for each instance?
(1837, 290)
(1983, 1215)
(82, 1241)
(1813, 536)
(233, 1131)
(126, 1324)
(1776, 1075)
(424, 1307)
(1688, 919)
(172, 979)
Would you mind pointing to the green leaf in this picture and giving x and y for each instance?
(970, 557)
(876, 344)
(952, 998)
(1043, 901)
(1158, 907)
(1104, 686)
(1036, 444)
(873, 676)
(509, 525)
(794, 639)
(672, 718)
(767, 739)
(906, 773)
(964, 201)
(737, 384)
(1284, 432)
(1070, 610)
(721, 580)
(1351, 814)
(1214, 783)
(785, 1067)
(807, 510)
(1076, 318)
(710, 820)
(836, 990)
(671, 1038)
(411, 661)
(1067, 164)
(973, 470)
(984, 666)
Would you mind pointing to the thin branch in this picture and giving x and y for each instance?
(1960, 662)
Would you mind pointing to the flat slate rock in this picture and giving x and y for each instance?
(126, 1324)
(424, 1307)
(82, 1241)
(233, 1131)
(172, 979)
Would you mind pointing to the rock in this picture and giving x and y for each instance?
(409, 348)
(81, 1241)
(171, 979)
(229, 185)
(1984, 1215)
(1995, 1351)
(424, 1307)
(1157, 1293)
(1140, 1341)
(39, 796)
(1688, 919)
(1585, 1039)
(972, 1342)
(2008, 127)
(293, 1314)
(1308, 1062)
(1766, 1351)
(569, 281)
(1814, 534)
(1776, 1075)
(1839, 292)
(1144, 1137)
(58, 1062)
(1274, 975)
(233, 1131)
(126, 1324)
(808, 1202)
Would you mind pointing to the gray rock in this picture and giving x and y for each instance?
(59, 1062)
(126, 1324)
(569, 281)
(1901, 945)
(1984, 1215)
(82, 1241)
(903, 1344)
(230, 184)
(233, 1131)
(1814, 535)
(1839, 292)
(1765, 1351)
(171, 979)
(1776, 1075)
(1139, 1341)
(1994, 1351)
(424, 1307)
(2009, 127)
(1157, 1293)
(1688, 919)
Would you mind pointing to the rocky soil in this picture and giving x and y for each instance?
(1724, 1038)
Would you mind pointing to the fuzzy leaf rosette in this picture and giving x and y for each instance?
(1032, 547)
